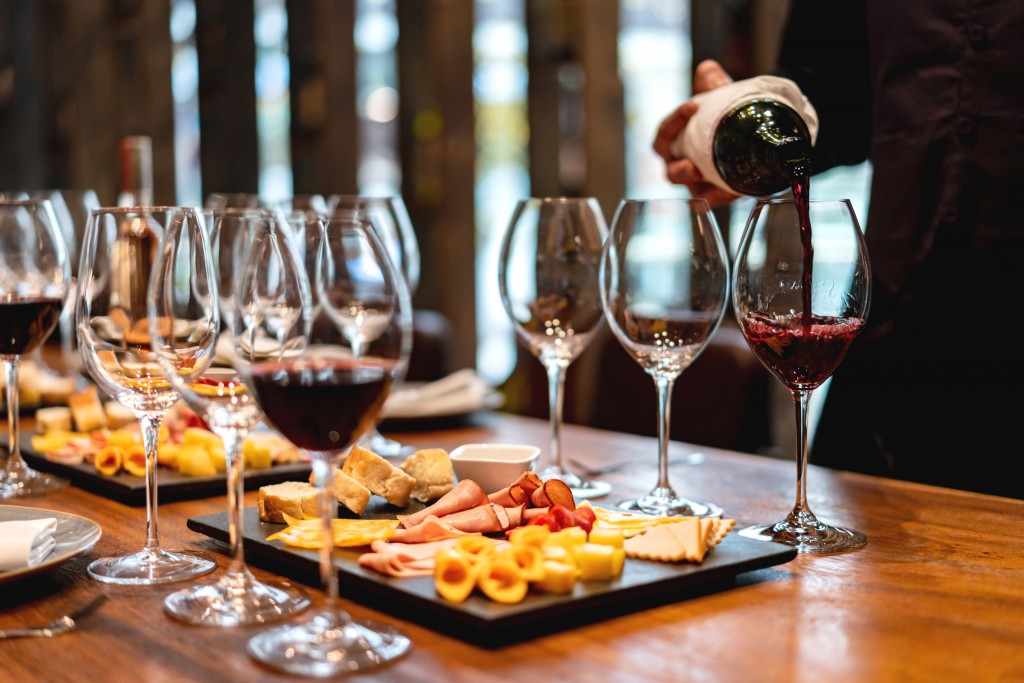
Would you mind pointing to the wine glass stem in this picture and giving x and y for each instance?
(800, 400)
(328, 576)
(13, 428)
(150, 423)
(556, 398)
(233, 439)
(664, 386)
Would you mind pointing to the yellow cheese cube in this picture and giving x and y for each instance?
(194, 461)
(568, 538)
(202, 437)
(167, 455)
(605, 536)
(122, 438)
(596, 562)
(558, 578)
(256, 454)
(219, 459)
(560, 554)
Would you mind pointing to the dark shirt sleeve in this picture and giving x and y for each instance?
(825, 51)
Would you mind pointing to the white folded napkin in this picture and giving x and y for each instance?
(26, 542)
(460, 392)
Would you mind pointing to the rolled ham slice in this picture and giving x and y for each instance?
(484, 519)
(553, 492)
(430, 529)
(403, 559)
(518, 492)
(465, 495)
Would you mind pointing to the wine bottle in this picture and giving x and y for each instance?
(751, 137)
(136, 159)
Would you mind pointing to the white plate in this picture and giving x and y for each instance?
(74, 536)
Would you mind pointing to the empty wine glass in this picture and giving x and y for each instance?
(119, 253)
(391, 219)
(322, 393)
(184, 325)
(801, 295)
(548, 279)
(34, 282)
(664, 286)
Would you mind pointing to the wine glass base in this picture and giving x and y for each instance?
(236, 601)
(26, 481)
(671, 507)
(809, 538)
(381, 445)
(152, 567)
(581, 488)
(326, 646)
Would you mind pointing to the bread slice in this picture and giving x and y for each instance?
(348, 491)
(290, 497)
(87, 411)
(432, 470)
(118, 415)
(53, 419)
(378, 475)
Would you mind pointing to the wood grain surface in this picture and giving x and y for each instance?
(937, 594)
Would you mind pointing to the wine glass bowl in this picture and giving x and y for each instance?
(664, 285)
(322, 389)
(184, 324)
(548, 280)
(119, 254)
(801, 293)
(390, 218)
(34, 283)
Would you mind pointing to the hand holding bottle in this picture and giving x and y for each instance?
(681, 171)
(751, 137)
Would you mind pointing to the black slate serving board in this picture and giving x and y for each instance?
(131, 490)
(481, 621)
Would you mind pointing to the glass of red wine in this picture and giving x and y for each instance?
(119, 254)
(35, 279)
(322, 385)
(548, 280)
(664, 288)
(184, 326)
(391, 219)
(801, 292)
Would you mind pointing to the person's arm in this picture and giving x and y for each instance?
(825, 51)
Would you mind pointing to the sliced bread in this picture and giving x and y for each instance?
(290, 497)
(378, 475)
(432, 470)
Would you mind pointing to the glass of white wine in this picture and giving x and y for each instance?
(119, 253)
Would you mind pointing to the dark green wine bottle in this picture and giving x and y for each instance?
(760, 146)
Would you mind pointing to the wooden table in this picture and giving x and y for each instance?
(937, 594)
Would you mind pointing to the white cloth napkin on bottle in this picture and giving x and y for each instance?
(26, 542)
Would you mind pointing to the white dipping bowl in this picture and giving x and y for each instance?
(493, 465)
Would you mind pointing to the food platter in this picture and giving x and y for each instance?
(131, 490)
(74, 535)
(478, 620)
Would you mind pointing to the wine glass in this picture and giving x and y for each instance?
(119, 253)
(801, 296)
(184, 326)
(34, 282)
(391, 219)
(548, 279)
(322, 395)
(664, 287)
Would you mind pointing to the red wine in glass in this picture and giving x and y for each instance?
(320, 406)
(26, 322)
(801, 356)
(801, 298)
